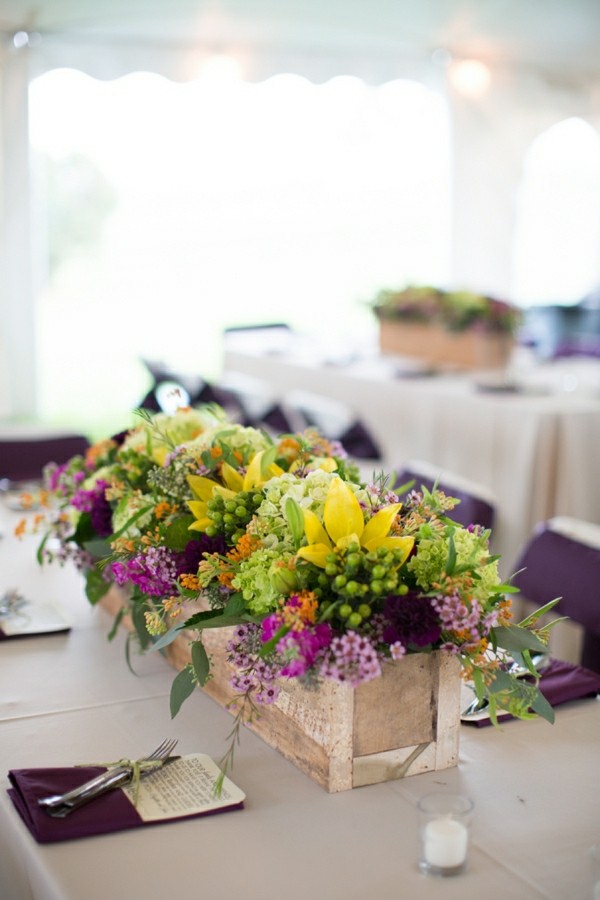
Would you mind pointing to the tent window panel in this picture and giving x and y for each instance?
(175, 210)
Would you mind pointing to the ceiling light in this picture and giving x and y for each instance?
(470, 77)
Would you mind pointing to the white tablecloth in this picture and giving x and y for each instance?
(536, 454)
(70, 699)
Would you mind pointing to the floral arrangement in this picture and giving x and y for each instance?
(206, 523)
(453, 310)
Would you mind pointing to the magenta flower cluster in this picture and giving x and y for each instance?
(153, 572)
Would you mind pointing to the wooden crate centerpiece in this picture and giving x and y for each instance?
(403, 723)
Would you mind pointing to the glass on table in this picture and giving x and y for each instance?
(444, 831)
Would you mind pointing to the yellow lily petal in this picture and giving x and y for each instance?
(348, 539)
(379, 525)
(198, 507)
(326, 463)
(202, 487)
(255, 476)
(393, 543)
(253, 472)
(316, 553)
(159, 454)
(232, 478)
(200, 524)
(225, 492)
(314, 531)
(342, 515)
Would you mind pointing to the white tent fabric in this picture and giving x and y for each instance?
(543, 56)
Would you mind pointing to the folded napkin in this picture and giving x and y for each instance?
(559, 683)
(115, 811)
(31, 619)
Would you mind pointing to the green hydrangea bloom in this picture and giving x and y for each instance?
(254, 580)
(429, 562)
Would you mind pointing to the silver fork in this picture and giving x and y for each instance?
(62, 804)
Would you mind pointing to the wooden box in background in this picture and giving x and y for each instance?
(446, 349)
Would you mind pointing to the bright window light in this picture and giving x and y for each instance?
(557, 235)
(175, 210)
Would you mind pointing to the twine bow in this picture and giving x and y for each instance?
(138, 768)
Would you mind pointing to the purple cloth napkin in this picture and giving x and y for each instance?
(559, 683)
(111, 812)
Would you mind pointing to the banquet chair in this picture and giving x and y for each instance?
(562, 559)
(476, 506)
(23, 454)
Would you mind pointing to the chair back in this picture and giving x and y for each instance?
(562, 559)
(22, 458)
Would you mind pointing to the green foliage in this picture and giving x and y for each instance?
(96, 586)
(183, 687)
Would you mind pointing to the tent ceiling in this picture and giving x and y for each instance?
(561, 39)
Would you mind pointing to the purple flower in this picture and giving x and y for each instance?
(95, 503)
(188, 559)
(411, 619)
(352, 659)
(154, 572)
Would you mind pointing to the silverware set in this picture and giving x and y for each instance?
(61, 805)
(540, 662)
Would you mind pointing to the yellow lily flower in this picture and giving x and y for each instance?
(344, 524)
(205, 488)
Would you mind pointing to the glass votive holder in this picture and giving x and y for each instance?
(444, 825)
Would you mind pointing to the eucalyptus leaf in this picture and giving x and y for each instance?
(84, 530)
(40, 550)
(183, 687)
(537, 613)
(117, 621)
(200, 662)
(96, 586)
(235, 605)
(99, 548)
(138, 618)
(541, 706)
(514, 637)
(502, 682)
(167, 638)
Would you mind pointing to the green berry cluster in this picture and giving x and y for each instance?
(359, 579)
(231, 516)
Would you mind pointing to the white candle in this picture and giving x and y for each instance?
(445, 843)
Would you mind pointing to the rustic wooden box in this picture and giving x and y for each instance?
(404, 723)
(438, 347)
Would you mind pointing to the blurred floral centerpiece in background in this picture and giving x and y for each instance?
(320, 576)
(452, 310)
(458, 328)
